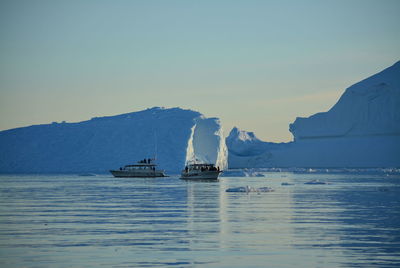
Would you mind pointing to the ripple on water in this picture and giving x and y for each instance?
(104, 221)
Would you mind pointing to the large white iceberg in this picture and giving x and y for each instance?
(104, 143)
(361, 130)
(207, 143)
(368, 108)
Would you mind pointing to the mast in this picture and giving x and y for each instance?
(155, 144)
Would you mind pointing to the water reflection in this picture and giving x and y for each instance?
(204, 221)
(358, 217)
(104, 221)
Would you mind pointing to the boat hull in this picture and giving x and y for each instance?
(136, 174)
(204, 175)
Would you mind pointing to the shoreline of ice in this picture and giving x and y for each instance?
(237, 172)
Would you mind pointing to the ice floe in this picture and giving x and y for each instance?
(316, 182)
(243, 173)
(248, 189)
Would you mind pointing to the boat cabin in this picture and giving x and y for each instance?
(138, 167)
(201, 167)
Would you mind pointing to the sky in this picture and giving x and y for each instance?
(256, 65)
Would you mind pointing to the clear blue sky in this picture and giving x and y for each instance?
(254, 64)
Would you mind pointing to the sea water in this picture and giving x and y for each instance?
(102, 221)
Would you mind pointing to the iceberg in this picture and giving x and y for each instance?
(368, 108)
(103, 143)
(207, 143)
(362, 130)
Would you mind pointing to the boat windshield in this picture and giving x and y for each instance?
(138, 167)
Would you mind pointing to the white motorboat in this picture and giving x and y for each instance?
(143, 169)
(200, 172)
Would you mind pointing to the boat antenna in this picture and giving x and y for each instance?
(155, 144)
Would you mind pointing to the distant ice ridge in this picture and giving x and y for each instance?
(361, 130)
(377, 171)
(104, 143)
(245, 143)
(247, 151)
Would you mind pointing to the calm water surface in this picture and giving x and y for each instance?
(72, 221)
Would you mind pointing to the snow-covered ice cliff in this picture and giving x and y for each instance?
(368, 108)
(207, 143)
(361, 130)
(104, 143)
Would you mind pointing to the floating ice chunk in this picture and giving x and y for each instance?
(233, 173)
(243, 173)
(239, 190)
(253, 174)
(265, 189)
(248, 189)
(382, 189)
(316, 182)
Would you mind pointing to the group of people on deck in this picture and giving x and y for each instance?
(145, 161)
(204, 168)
